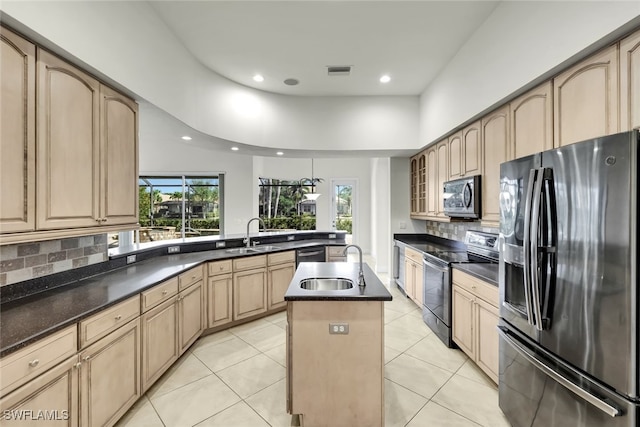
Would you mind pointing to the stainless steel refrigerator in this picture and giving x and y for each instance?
(569, 341)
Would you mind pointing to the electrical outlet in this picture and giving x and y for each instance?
(332, 236)
(131, 259)
(173, 249)
(220, 245)
(338, 328)
(403, 225)
(290, 238)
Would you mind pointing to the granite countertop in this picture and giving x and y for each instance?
(31, 318)
(487, 272)
(373, 291)
(426, 243)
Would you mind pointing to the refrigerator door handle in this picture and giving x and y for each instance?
(526, 247)
(560, 379)
(535, 244)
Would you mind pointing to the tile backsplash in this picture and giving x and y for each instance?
(455, 230)
(27, 261)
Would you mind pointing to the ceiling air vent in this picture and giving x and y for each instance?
(342, 70)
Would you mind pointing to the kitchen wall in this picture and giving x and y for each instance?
(26, 261)
(518, 43)
(127, 43)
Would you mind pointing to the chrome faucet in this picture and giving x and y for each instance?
(247, 240)
(360, 272)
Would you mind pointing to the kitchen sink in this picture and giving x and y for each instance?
(265, 248)
(326, 284)
(242, 251)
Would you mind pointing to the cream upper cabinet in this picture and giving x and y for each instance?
(532, 122)
(455, 155)
(17, 133)
(418, 185)
(585, 99)
(495, 134)
(432, 181)
(472, 150)
(68, 145)
(119, 158)
(442, 151)
(630, 82)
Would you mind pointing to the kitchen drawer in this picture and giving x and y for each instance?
(190, 277)
(335, 251)
(477, 287)
(99, 325)
(159, 293)
(249, 262)
(281, 257)
(25, 364)
(220, 267)
(414, 255)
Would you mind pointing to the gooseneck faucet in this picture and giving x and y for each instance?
(247, 240)
(360, 272)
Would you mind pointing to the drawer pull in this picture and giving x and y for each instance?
(118, 317)
(221, 268)
(86, 358)
(34, 363)
(193, 277)
(165, 292)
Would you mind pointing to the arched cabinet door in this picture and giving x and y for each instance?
(630, 82)
(68, 165)
(17, 133)
(585, 99)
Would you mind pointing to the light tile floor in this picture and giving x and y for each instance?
(237, 378)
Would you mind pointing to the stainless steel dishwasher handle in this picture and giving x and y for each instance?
(304, 254)
(559, 378)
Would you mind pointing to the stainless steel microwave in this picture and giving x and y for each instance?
(462, 197)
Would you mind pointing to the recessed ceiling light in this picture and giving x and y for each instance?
(280, 153)
(291, 82)
(258, 78)
(234, 148)
(186, 138)
(385, 79)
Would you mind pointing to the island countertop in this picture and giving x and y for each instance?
(373, 291)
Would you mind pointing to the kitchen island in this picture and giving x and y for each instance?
(335, 346)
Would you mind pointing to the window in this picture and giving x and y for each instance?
(283, 204)
(172, 207)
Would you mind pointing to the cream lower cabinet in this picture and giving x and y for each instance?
(51, 399)
(413, 271)
(249, 286)
(280, 271)
(190, 315)
(159, 341)
(110, 376)
(475, 321)
(219, 293)
(336, 254)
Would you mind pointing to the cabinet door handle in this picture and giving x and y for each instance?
(86, 358)
(77, 365)
(34, 363)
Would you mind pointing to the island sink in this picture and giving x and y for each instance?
(326, 284)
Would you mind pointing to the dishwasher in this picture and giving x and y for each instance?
(315, 254)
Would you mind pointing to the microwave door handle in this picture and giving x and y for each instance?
(526, 246)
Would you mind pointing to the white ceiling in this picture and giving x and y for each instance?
(411, 41)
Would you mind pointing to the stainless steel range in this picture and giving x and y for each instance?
(481, 247)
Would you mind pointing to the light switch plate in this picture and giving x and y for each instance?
(332, 236)
(221, 244)
(131, 259)
(290, 238)
(338, 329)
(173, 249)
